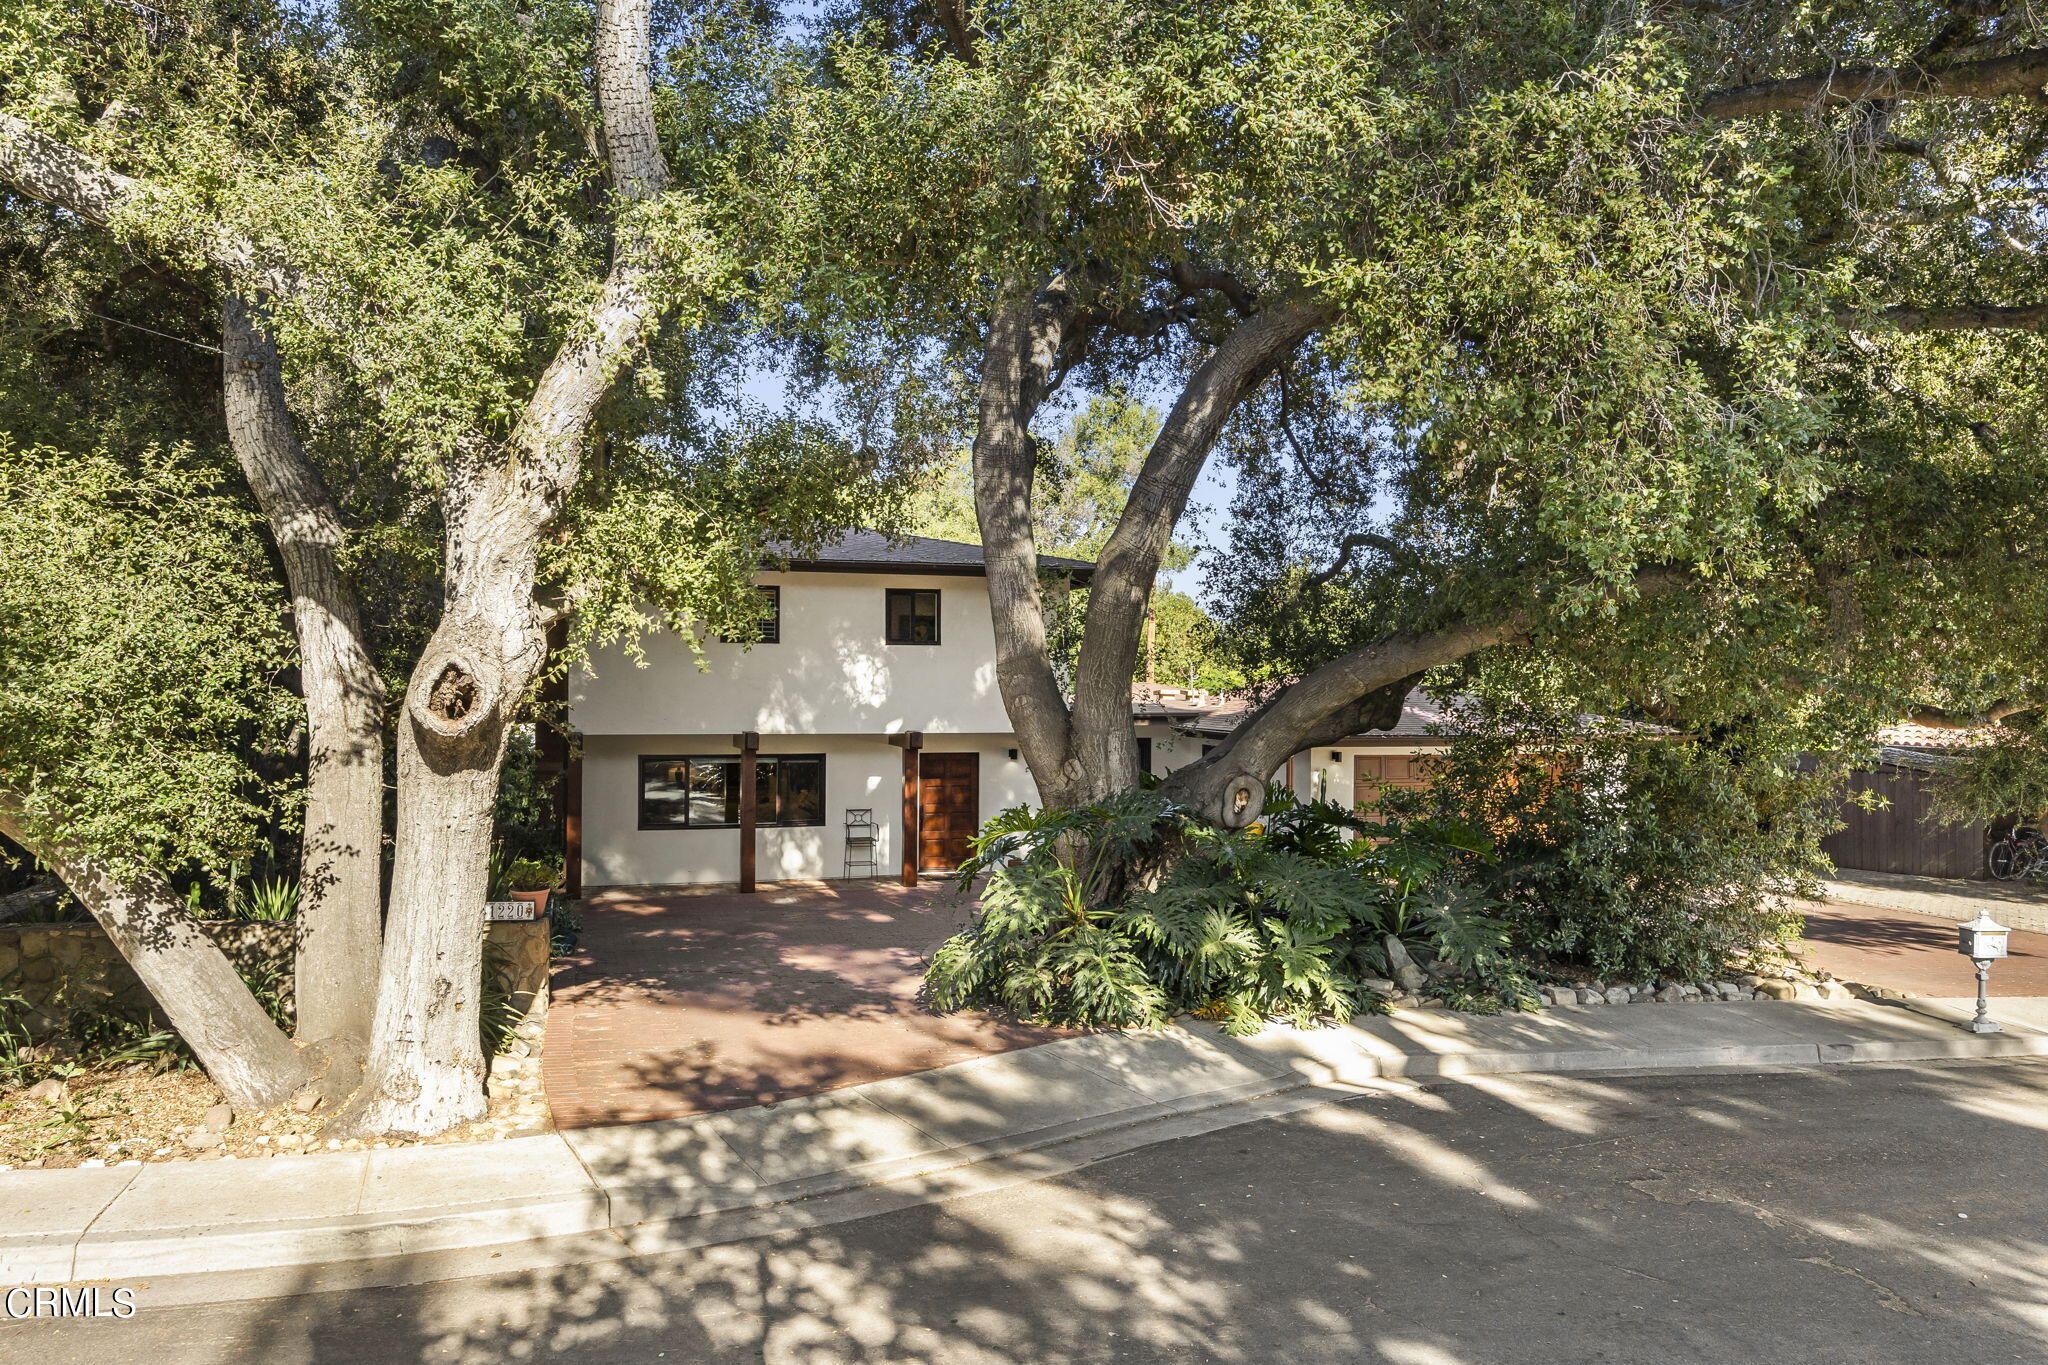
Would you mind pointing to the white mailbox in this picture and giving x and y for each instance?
(1983, 938)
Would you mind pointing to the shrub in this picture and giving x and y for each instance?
(1124, 913)
(1640, 857)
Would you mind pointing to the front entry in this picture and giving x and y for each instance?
(1375, 773)
(948, 811)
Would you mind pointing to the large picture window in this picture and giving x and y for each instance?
(913, 616)
(681, 791)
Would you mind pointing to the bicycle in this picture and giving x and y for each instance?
(2018, 853)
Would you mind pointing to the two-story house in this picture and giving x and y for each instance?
(863, 735)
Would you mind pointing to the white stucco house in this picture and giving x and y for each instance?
(863, 736)
(871, 707)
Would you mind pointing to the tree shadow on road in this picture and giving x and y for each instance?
(1816, 1215)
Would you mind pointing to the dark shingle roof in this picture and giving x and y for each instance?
(875, 552)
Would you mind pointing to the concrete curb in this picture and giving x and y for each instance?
(911, 1139)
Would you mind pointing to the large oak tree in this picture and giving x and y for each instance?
(1537, 326)
(435, 241)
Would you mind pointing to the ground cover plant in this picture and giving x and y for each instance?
(1127, 911)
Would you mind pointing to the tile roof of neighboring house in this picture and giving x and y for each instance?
(1926, 760)
(877, 552)
(1907, 735)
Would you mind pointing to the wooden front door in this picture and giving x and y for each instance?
(948, 809)
(1374, 773)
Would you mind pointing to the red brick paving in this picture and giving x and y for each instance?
(1914, 953)
(680, 1001)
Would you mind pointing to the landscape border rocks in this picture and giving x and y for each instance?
(1774, 983)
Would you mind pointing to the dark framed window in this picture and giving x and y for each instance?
(686, 791)
(770, 618)
(913, 616)
(1144, 755)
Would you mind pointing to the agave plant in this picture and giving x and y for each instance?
(271, 900)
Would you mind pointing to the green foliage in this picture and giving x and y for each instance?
(140, 650)
(497, 1014)
(1636, 856)
(2001, 782)
(510, 872)
(1124, 913)
(525, 823)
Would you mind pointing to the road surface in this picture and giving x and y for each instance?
(1823, 1214)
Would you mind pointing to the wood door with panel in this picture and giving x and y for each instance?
(1373, 774)
(949, 809)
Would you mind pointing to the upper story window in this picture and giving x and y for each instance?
(913, 616)
(770, 616)
(691, 792)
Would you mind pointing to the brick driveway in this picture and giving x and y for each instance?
(1915, 953)
(679, 1001)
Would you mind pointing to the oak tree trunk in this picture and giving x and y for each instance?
(426, 1065)
(195, 985)
(340, 896)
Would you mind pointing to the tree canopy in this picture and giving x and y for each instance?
(1687, 344)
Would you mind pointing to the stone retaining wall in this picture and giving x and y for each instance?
(59, 970)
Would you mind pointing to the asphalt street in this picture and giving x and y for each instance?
(1895, 1213)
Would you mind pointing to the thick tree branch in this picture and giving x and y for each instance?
(1959, 317)
(185, 971)
(1025, 340)
(1360, 690)
(625, 97)
(1130, 560)
(341, 899)
(558, 415)
(1328, 695)
(44, 168)
(2018, 73)
(1938, 718)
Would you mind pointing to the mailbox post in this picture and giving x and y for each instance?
(1983, 940)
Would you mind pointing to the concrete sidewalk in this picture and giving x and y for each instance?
(2017, 905)
(914, 1138)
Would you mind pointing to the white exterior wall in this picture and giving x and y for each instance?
(1340, 774)
(860, 770)
(1171, 751)
(832, 673)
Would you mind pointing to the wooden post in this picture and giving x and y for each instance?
(572, 818)
(749, 745)
(911, 743)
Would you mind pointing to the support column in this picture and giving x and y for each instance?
(572, 818)
(912, 743)
(558, 761)
(749, 745)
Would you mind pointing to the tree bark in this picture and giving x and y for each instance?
(2017, 73)
(1343, 696)
(340, 872)
(1113, 630)
(193, 982)
(1024, 340)
(426, 1066)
